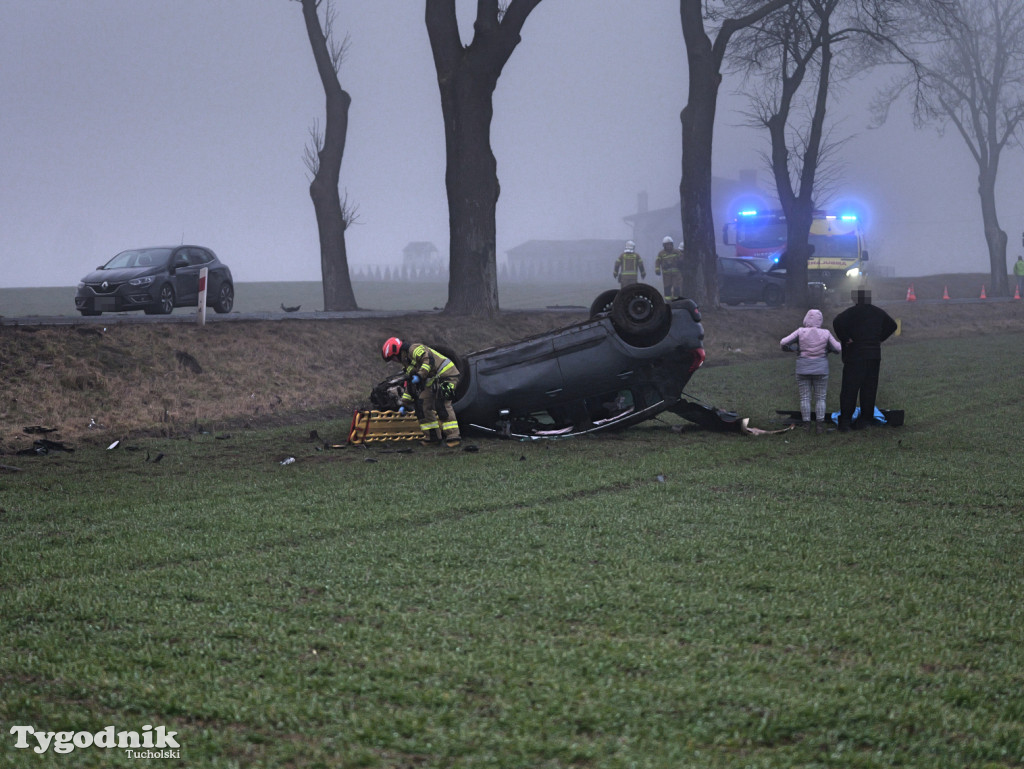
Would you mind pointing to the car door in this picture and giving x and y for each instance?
(186, 276)
(737, 281)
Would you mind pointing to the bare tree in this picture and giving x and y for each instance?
(467, 76)
(966, 68)
(323, 158)
(780, 55)
(704, 59)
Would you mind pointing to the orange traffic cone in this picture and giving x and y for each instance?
(910, 294)
(945, 293)
(983, 292)
(1016, 294)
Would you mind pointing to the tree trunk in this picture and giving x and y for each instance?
(704, 60)
(467, 77)
(323, 190)
(698, 120)
(471, 182)
(995, 237)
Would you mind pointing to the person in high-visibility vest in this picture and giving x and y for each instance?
(628, 265)
(668, 265)
(1018, 272)
(432, 379)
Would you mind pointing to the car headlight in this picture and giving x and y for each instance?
(81, 286)
(853, 272)
(141, 281)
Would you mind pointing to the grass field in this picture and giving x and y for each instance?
(656, 598)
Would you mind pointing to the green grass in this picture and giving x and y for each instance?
(777, 601)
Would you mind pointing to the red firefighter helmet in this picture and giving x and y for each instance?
(391, 348)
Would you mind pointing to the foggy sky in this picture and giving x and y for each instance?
(129, 123)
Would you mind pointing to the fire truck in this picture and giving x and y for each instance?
(837, 240)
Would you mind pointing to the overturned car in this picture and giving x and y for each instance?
(627, 363)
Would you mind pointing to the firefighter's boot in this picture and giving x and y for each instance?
(431, 438)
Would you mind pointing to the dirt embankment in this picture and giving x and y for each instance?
(98, 386)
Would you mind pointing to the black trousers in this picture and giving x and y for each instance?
(860, 382)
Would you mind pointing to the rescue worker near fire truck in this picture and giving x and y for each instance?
(668, 264)
(431, 378)
(628, 265)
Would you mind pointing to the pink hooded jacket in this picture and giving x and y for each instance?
(814, 342)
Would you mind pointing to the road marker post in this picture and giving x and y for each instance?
(201, 309)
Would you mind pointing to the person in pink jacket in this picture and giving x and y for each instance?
(813, 343)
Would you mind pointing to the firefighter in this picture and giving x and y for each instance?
(431, 378)
(628, 264)
(668, 265)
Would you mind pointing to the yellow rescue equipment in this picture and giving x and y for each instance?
(371, 426)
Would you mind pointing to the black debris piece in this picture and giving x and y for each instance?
(43, 447)
(186, 361)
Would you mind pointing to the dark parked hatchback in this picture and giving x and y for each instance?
(750, 280)
(156, 280)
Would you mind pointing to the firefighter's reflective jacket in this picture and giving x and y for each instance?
(430, 366)
(668, 261)
(627, 266)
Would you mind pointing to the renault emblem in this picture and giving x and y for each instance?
(104, 285)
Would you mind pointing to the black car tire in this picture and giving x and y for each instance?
(165, 305)
(603, 303)
(640, 315)
(225, 298)
(773, 296)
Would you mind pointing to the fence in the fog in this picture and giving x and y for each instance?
(530, 273)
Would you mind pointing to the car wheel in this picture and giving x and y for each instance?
(603, 303)
(166, 302)
(640, 315)
(225, 298)
(773, 296)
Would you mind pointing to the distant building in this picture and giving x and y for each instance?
(421, 255)
(651, 226)
(564, 260)
(593, 259)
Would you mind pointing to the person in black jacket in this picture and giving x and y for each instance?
(861, 329)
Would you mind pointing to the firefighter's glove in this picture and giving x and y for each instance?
(415, 379)
(401, 410)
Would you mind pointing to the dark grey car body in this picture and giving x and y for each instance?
(156, 280)
(627, 363)
(750, 280)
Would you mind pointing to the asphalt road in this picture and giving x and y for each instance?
(212, 317)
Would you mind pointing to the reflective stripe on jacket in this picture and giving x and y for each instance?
(428, 364)
(629, 263)
(667, 261)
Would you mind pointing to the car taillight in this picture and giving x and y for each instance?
(697, 360)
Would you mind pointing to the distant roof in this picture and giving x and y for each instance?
(582, 247)
(420, 246)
